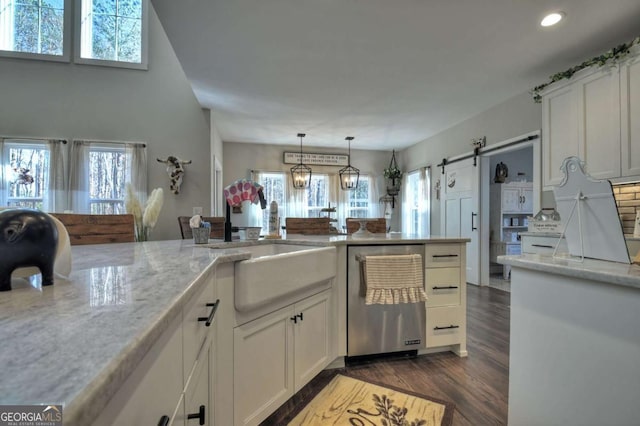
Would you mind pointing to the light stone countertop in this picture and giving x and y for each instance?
(74, 343)
(591, 269)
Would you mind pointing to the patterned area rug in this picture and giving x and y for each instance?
(349, 401)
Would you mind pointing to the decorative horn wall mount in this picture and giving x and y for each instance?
(175, 170)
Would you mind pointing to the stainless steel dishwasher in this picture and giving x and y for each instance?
(378, 329)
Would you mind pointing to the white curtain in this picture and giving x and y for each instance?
(375, 209)
(55, 198)
(416, 202)
(407, 199)
(426, 201)
(136, 173)
(296, 200)
(79, 177)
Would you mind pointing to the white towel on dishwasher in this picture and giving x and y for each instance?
(394, 279)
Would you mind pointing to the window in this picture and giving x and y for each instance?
(35, 28)
(274, 184)
(416, 202)
(358, 200)
(26, 171)
(112, 32)
(317, 195)
(107, 168)
(99, 173)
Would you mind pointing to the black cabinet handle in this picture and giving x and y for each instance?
(164, 421)
(300, 316)
(208, 320)
(473, 227)
(541, 245)
(445, 255)
(524, 199)
(446, 328)
(294, 319)
(199, 415)
(444, 288)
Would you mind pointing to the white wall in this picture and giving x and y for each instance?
(48, 99)
(516, 116)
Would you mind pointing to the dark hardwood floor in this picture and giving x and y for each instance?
(478, 385)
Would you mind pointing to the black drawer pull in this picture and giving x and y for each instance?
(444, 288)
(199, 415)
(446, 328)
(164, 421)
(445, 255)
(209, 319)
(294, 319)
(541, 245)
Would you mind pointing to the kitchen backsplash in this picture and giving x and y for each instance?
(628, 201)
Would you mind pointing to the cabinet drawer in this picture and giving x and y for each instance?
(542, 245)
(445, 326)
(441, 255)
(442, 286)
(195, 332)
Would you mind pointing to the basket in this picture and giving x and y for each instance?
(201, 235)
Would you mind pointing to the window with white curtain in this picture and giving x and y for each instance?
(100, 171)
(416, 202)
(323, 192)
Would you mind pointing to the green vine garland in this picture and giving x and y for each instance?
(614, 56)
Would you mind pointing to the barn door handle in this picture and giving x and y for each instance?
(473, 227)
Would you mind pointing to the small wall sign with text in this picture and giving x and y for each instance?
(316, 159)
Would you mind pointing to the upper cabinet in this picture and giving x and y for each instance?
(594, 116)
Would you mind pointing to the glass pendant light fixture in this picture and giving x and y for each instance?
(349, 176)
(301, 173)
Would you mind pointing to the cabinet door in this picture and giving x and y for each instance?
(630, 119)
(527, 201)
(197, 394)
(154, 388)
(599, 126)
(311, 337)
(511, 199)
(559, 132)
(263, 366)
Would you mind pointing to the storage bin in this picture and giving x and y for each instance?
(201, 235)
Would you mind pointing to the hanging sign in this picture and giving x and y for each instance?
(316, 159)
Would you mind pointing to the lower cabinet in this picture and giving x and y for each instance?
(197, 406)
(277, 354)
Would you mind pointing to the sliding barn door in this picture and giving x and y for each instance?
(460, 210)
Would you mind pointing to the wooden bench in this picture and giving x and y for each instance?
(217, 227)
(97, 228)
(308, 225)
(376, 225)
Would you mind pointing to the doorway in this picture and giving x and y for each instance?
(501, 227)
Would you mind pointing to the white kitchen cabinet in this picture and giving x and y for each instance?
(446, 288)
(593, 116)
(517, 197)
(275, 355)
(630, 116)
(173, 378)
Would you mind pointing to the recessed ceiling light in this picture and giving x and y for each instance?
(552, 19)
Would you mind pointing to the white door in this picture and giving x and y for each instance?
(460, 208)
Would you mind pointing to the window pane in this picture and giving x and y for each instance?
(274, 185)
(26, 29)
(108, 207)
(107, 175)
(130, 40)
(52, 25)
(55, 4)
(103, 40)
(28, 172)
(130, 8)
(104, 7)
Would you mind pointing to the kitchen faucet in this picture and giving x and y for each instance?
(243, 188)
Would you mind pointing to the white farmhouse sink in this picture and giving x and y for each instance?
(277, 271)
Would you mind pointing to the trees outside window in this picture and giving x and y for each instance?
(358, 200)
(107, 176)
(32, 26)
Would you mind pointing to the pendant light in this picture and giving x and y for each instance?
(301, 173)
(349, 176)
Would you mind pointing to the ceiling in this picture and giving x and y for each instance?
(390, 73)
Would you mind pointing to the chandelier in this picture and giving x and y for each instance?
(301, 173)
(349, 176)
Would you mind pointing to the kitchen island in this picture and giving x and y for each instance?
(82, 340)
(575, 341)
